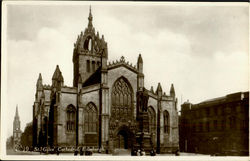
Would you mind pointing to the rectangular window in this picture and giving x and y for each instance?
(222, 110)
(208, 128)
(215, 111)
(223, 124)
(232, 122)
(215, 124)
(233, 109)
(194, 126)
(88, 66)
(201, 127)
(208, 111)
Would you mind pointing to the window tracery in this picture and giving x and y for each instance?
(121, 99)
(152, 119)
(90, 118)
(71, 115)
(166, 122)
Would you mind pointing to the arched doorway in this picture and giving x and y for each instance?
(124, 138)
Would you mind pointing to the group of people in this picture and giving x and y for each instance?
(141, 152)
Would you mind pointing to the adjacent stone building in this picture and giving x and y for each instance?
(99, 110)
(216, 126)
(16, 130)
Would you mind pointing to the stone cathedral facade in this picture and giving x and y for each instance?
(99, 110)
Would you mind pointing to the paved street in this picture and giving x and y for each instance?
(117, 153)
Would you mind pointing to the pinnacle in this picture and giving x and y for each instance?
(140, 59)
(159, 87)
(40, 76)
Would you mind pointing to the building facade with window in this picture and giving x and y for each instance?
(216, 126)
(99, 110)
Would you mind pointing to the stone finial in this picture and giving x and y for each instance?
(122, 59)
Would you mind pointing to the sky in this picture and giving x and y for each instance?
(201, 49)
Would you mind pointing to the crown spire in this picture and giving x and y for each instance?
(90, 25)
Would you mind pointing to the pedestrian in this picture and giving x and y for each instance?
(57, 151)
(152, 152)
(138, 152)
(81, 151)
(143, 153)
(87, 151)
(76, 151)
(177, 152)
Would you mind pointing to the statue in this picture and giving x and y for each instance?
(142, 101)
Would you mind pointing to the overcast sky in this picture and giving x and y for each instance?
(202, 50)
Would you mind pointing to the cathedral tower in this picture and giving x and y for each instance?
(16, 129)
(90, 52)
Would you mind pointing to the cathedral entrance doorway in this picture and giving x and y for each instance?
(124, 138)
(122, 142)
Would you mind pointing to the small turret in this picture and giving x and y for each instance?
(57, 78)
(172, 91)
(39, 84)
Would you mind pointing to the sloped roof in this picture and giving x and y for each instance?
(93, 79)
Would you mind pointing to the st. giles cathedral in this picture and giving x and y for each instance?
(107, 107)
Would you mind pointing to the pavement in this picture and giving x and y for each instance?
(119, 152)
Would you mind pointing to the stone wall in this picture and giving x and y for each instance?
(65, 138)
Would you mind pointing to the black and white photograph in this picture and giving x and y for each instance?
(123, 79)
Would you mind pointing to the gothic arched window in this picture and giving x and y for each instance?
(166, 122)
(121, 99)
(90, 118)
(152, 119)
(71, 118)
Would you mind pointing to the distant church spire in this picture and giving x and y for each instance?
(16, 115)
(90, 25)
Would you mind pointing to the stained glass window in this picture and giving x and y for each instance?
(121, 99)
(166, 122)
(152, 119)
(71, 115)
(90, 118)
